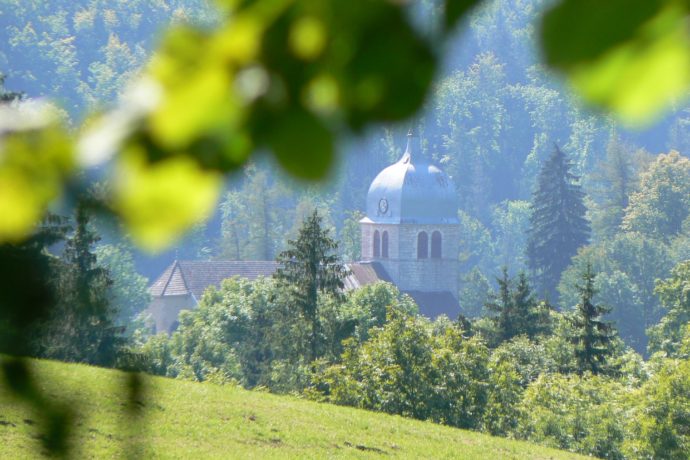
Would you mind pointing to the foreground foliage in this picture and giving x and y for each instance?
(250, 333)
(410, 369)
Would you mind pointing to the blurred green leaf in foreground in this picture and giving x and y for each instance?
(629, 56)
(286, 77)
(36, 158)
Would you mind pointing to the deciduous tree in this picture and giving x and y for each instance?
(662, 204)
(674, 294)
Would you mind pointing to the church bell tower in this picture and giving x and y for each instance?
(411, 226)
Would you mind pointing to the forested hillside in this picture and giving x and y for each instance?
(83, 53)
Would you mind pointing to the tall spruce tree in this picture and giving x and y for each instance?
(28, 292)
(558, 226)
(81, 327)
(310, 267)
(591, 336)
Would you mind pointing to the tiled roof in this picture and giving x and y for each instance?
(434, 304)
(364, 273)
(195, 276)
(186, 277)
(170, 282)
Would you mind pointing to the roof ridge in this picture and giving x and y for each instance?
(184, 281)
(172, 272)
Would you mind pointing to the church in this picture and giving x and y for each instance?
(410, 238)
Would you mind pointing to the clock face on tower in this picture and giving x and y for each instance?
(383, 206)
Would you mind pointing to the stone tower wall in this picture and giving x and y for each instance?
(402, 264)
(367, 231)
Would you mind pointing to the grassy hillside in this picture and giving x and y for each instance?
(192, 420)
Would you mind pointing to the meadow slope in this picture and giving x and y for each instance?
(194, 420)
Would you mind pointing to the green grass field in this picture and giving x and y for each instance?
(193, 420)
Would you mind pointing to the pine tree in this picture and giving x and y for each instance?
(501, 304)
(558, 226)
(234, 226)
(610, 185)
(517, 310)
(531, 316)
(262, 225)
(591, 336)
(81, 328)
(310, 267)
(350, 236)
(28, 292)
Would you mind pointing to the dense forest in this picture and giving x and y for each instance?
(557, 349)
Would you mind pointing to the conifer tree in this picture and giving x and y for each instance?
(532, 316)
(28, 292)
(558, 226)
(501, 304)
(610, 184)
(591, 336)
(310, 267)
(81, 328)
(234, 226)
(517, 310)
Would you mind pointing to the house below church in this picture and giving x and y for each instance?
(410, 237)
(184, 282)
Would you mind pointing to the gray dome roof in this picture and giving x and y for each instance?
(408, 192)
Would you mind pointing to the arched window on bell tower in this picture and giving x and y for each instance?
(422, 245)
(377, 244)
(436, 242)
(384, 244)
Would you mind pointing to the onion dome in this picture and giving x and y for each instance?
(412, 192)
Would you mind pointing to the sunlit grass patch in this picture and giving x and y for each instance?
(193, 420)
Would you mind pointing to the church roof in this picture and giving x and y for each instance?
(434, 304)
(185, 277)
(364, 273)
(412, 191)
(193, 277)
